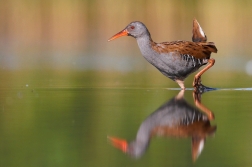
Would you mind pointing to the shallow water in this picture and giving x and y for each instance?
(64, 119)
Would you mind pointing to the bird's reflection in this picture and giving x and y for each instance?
(176, 118)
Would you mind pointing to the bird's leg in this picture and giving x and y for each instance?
(181, 84)
(197, 102)
(197, 77)
(180, 95)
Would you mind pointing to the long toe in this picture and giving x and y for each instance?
(202, 89)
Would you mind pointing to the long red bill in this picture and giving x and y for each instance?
(119, 143)
(119, 34)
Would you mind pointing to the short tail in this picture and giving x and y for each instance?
(212, 47)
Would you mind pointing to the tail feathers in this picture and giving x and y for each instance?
(198, 33)
(212, 47)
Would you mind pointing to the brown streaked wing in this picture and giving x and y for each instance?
(198, 50)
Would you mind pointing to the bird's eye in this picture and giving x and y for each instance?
(132, 27)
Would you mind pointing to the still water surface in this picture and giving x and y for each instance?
(52, 121)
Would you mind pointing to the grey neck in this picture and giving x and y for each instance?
(144, 43)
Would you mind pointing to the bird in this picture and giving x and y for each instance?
(176, 118)
(177, 59)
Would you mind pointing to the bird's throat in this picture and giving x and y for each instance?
(144, 44)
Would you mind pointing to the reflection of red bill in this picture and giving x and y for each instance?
(119, 143)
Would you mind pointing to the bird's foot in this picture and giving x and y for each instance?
(199, 89)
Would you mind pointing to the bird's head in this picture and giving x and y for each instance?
(135, 29)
